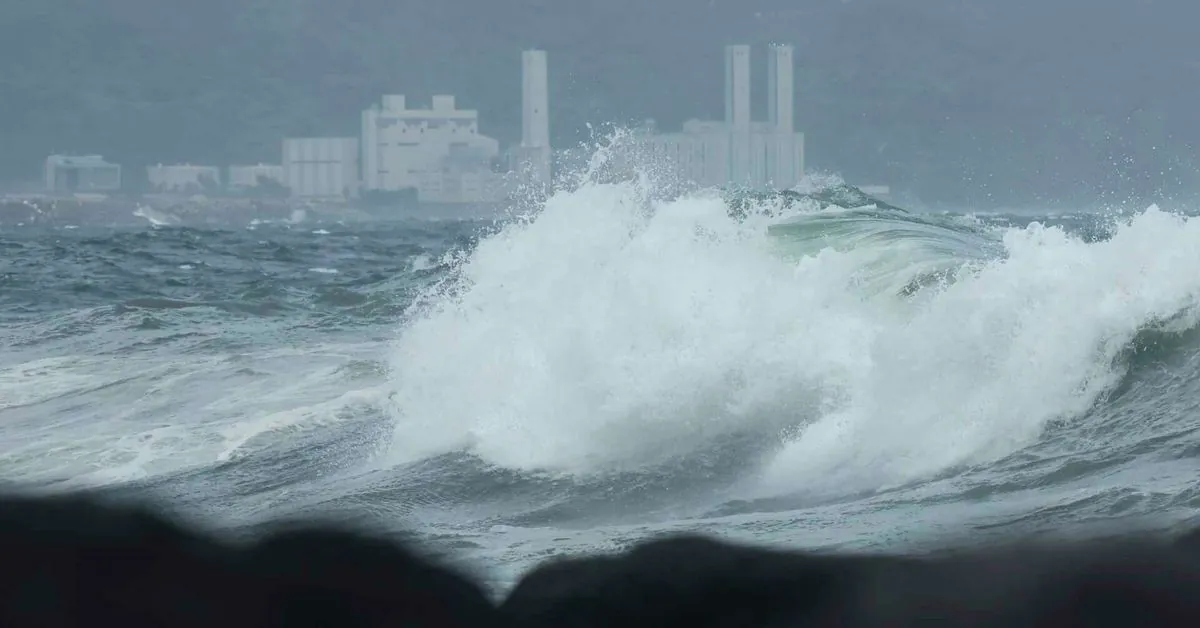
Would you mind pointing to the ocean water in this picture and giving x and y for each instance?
(614, 366)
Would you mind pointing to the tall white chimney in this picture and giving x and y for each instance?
(781, 88)
(535, 115)
(535, 99)
(737, 86)
(737, 113)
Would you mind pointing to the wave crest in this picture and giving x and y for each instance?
(855, 347)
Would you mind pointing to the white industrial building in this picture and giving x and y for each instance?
(246, 177)
(183, 178)
(739, 151)
(84, 173)
(321, 167)
(438, 151)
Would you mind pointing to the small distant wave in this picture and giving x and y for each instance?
(157, 218)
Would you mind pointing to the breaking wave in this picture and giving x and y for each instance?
(819, 352)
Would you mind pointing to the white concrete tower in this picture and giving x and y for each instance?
(535, 117)
(737, 112)
(781, 89)
(370, 178)
(737, 86)
(784, 165)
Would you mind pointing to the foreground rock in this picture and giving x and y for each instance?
(73, 561)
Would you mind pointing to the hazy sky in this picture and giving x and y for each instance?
(986, 102)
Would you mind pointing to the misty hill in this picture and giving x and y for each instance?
(987, 102)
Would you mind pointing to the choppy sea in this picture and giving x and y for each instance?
(614, 366)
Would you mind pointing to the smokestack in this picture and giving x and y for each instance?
(535, 100)
(737, 87)
(781, 88)
(535, 119)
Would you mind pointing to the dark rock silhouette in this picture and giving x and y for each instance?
(76, 561)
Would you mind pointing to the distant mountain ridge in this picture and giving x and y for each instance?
(988, 103)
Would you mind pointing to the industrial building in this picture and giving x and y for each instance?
(738, 151)
(321, 167)
(248, 177)
(183, 178)
(438, 151)
(84, 173)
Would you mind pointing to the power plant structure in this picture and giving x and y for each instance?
(739, 151)
(434, 152)
(437, 151)
(534, 154)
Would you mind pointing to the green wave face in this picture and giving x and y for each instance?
(743, 203)
(898, 252)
